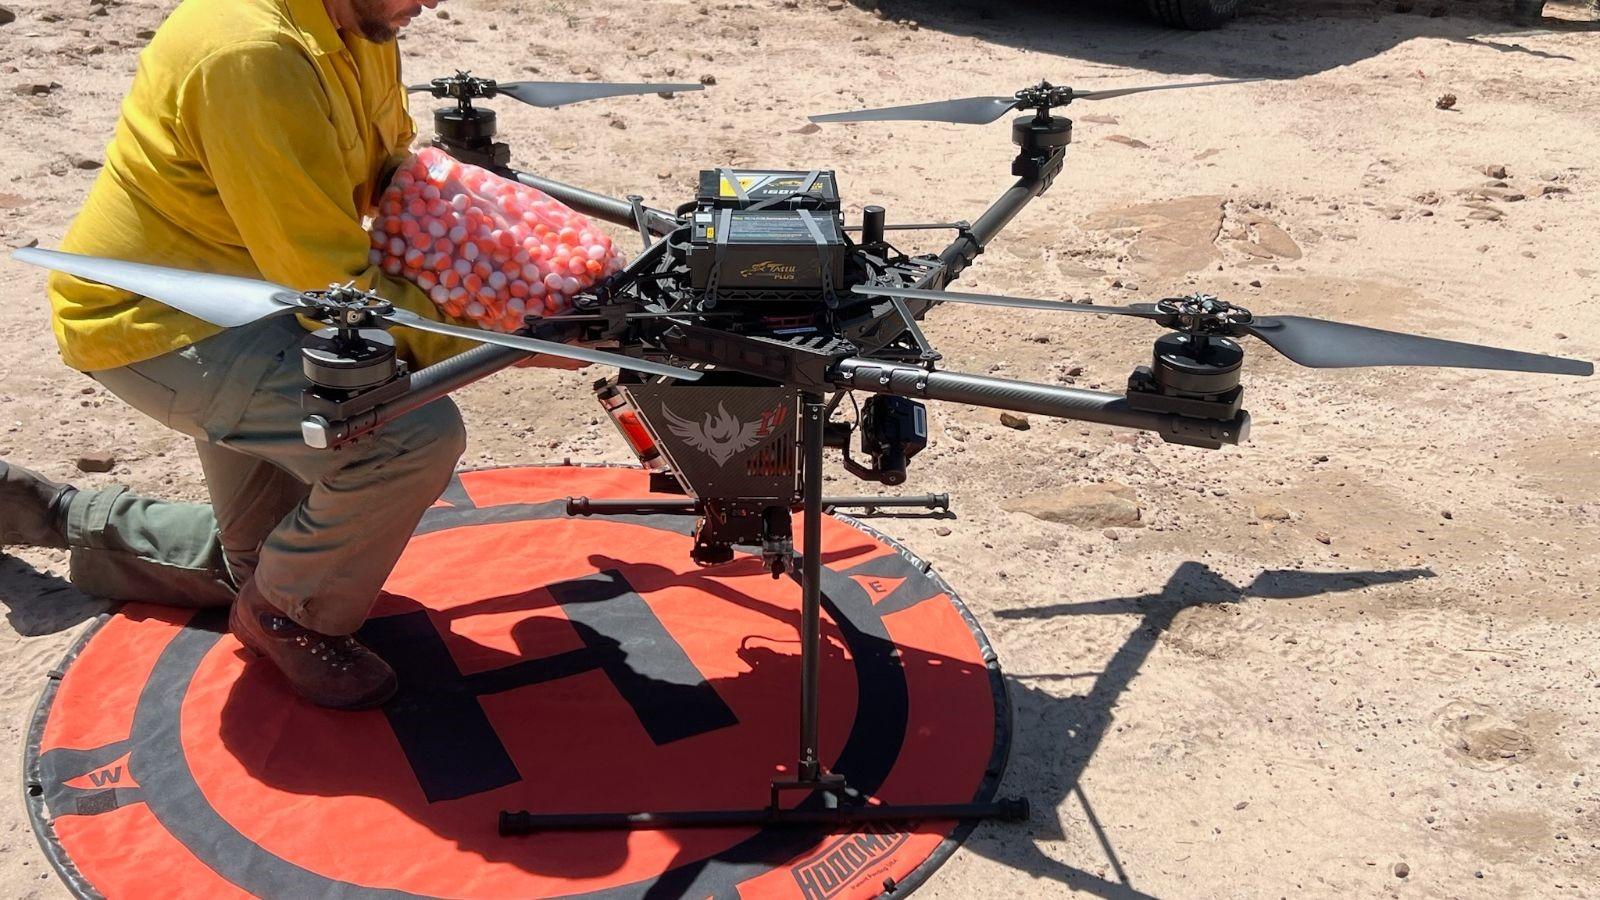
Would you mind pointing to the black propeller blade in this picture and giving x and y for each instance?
(230, 302)
(983, 110)
(1320, 344)
(555, 93)
(1142, 310)
(967, 111)
(1314, 343)
(545, 93)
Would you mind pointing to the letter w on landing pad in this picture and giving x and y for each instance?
(448, 738)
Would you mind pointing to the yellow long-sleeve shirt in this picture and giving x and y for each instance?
(252, 143)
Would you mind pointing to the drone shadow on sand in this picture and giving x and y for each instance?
(1050, 750)
(1094, 38)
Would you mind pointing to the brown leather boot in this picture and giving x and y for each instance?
(335, 672)
(31, 508)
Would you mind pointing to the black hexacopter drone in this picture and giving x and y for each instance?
(751, 312)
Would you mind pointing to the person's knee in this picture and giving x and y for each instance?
(435, 433)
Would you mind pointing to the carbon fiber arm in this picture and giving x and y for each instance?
(1039, 399)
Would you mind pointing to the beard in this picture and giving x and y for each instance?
(370, 21)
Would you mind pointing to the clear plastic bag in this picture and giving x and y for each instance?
(484, 248)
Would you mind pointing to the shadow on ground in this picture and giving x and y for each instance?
(1057, 736)
(39, 603)
(1271, 39)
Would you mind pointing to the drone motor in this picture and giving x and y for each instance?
(356, 360)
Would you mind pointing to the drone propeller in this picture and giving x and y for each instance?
(550, 93)
(543, 93)
(219, 299)
(1314, 343)
(1145, 310)
(230, 301)
(983, 110)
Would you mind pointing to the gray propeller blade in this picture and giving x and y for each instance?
(557, 93)
(966, 111)
(1321, 344)
(535, 345)
(983, 110)
(223, 300)
(1142, 310)
(1123, 92)
(1314, 343)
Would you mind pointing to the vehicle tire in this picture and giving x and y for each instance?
(1193, 14)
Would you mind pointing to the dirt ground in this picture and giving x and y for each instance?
(1362, 641)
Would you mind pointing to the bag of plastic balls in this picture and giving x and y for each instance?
(484, 248)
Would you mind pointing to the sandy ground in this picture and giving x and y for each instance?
(1364, 639)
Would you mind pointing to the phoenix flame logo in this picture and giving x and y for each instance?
(719, 436)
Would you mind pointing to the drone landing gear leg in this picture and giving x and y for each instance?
(838, 804)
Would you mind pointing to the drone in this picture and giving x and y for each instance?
(751, 312)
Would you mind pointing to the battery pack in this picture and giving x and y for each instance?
(767, 189)
(786, 251)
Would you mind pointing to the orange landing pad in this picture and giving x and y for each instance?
(548, 664)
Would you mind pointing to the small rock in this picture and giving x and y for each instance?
(835, 5)
(1276, 241)
(1495, 171)
(1448, 101)
(1040, 337)
(34, 89)
(942, 531)
(1112, 534)
(1447, 514)
(7, 16)
(1269, 512)
(663, 174)
(618, 123)
(808, 128)
(1401, 870)
(1012, 420)
(1074, 371)
(1252, 249)
(708, 80)
(1238, 807)
(1503, 194)
(87, 163)
(1486, 214)
(442, 13)
(1123, 139)
(1098, 119)
(1108, 505)
(98, 461)
(1324, 538)
(1550, 189)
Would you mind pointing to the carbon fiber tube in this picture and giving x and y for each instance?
(427, 385)
(964, 249)
(609, 209)
(1039, 399)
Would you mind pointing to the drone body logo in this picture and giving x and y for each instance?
(718, 435)
(777, 271)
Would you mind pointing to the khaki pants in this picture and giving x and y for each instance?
(319, 530)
